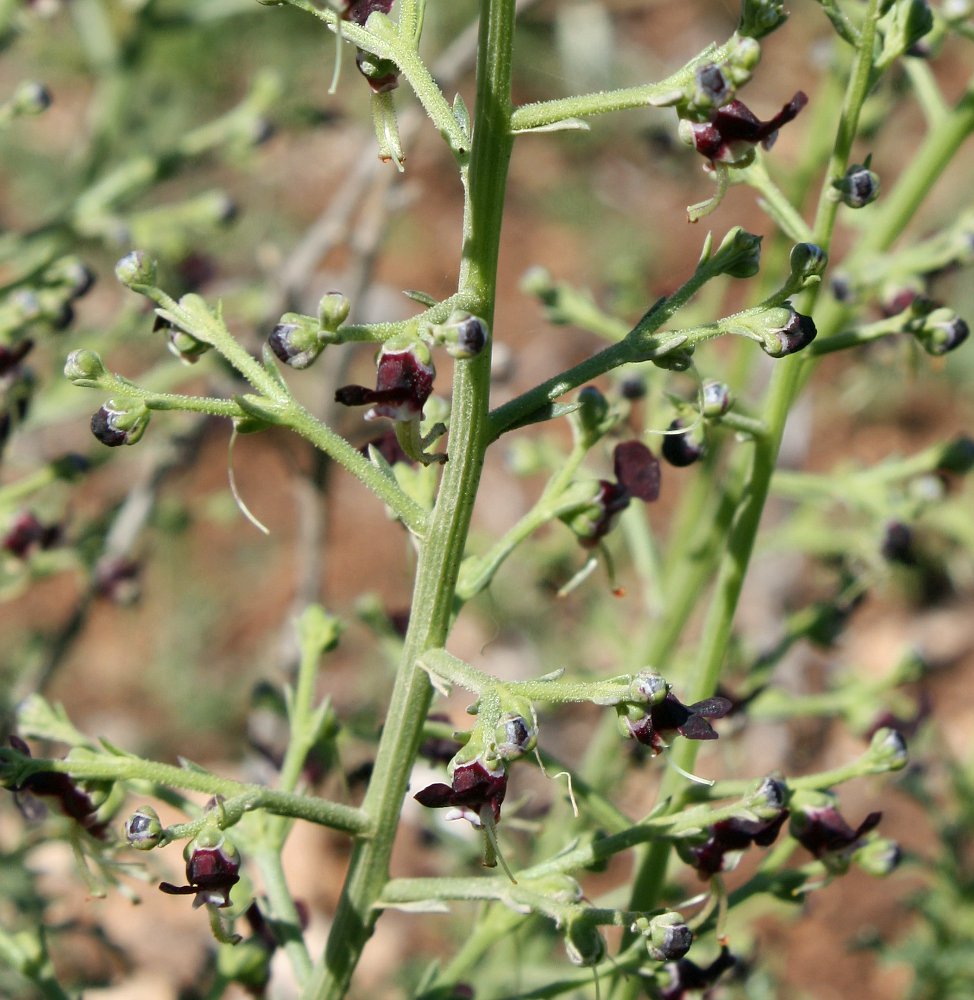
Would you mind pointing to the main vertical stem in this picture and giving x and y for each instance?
(442, 548)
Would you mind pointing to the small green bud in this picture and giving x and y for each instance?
(537, 281)
(136, 269)
(761, 17)
(116, 423)
(711, 88)
(515, 736)
(464, 336)
(296, 341)
(185, 346)
(807, 261)
(715, 398)
(768, 799)
(333, 310)
(743, 59)
(739, 254)
(584, 943)
(84, 368)
(592, 416)
(940, 331)
(879, 856)
(648, 688)
(786, 331)
(30, 98)
(143, 830)
(888, 751)
(247, 963)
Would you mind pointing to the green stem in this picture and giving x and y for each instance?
(284, 917)
(315, 810)
(442, 549)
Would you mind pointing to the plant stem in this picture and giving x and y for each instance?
(442, 549)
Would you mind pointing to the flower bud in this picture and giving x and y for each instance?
(858, 187)
(648, 688)
(515, 736)
(143, 831)
(136, 269)
(711, 88)
(584, 943)
(888, 751)
(768, 799)
(30, 98)
(667, 937)
(742, 60)
(942, 331)
(297, 344)
(739, 254)
(794, 332)
(633, 387)
(114, 426)
(73, 275)
(84, 368)
(592, 414)
(958, 456)
(761, 17)
(185, 346)
(879, 856)
(715, 398)
(683, 447)
(807, 260)
(333, 310)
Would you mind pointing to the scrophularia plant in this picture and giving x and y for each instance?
(654, 699)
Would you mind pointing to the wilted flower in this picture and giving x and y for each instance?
(728, 839)
(822, 830)
(474, 788)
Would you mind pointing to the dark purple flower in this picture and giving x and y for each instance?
(212, 870)
(822, 829)
(686, 975)
(637, 475)
(734, 130)
(474, 789)
(73, 800)
(731, 836)
(683, 448)
(27, 535)
(671, 715)
(403, 383)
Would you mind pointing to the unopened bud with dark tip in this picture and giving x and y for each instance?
(115, 425)
(807, 261)
(73, 275)
(795, 333)
(888, 750)
(768, 799)
(296, 344)
(739, 254)
(515, 736)
(711, 87)
(841, 288)
(668, 937)
(135, 269)
(592, 413)
(683, 446)
(879, 856)
(85, 368)
(715, 398)
(333, 310)
(143, 831)
(857, 187)
(464, 336)
(30, 98)
(942, 331)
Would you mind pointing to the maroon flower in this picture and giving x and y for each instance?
(27, 535)
(212, 870)
(732, 836)
(403, 383)
(474, 788)
(671, 715)
(73, 801)
(822, 829)
(734, 130)
(637, 475)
